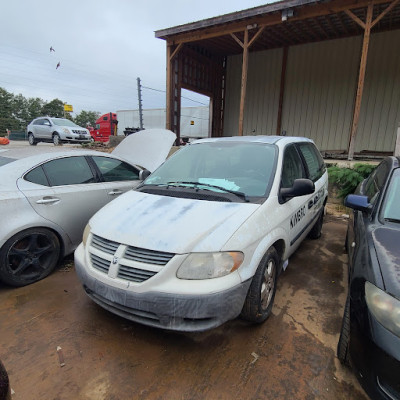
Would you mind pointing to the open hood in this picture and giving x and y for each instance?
(148, 148)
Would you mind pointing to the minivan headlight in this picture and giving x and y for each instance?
(86, 234)
(209, 265)
(384, 307)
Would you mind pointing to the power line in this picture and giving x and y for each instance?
(183, 97)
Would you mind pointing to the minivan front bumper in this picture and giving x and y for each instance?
(165, 310)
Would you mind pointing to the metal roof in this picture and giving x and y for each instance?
(295, 30)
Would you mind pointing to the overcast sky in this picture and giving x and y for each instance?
(102, 47)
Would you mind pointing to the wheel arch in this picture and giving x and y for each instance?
(62, 237)
(276, 239)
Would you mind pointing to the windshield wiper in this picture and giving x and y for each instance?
(235, 192)
(397, 221)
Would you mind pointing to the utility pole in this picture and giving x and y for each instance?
(139, 89)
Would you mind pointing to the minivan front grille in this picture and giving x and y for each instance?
(134, 274)
(100, 263)
(105, 245)
(147, 256)
(125, 264)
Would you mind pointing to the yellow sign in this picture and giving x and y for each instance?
(191, 122)
(68, 108)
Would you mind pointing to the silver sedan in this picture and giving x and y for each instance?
(47, 199)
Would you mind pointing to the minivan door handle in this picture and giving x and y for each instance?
(115, 192)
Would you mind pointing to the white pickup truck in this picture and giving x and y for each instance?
(204, 238)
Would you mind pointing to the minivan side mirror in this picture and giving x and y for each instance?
(358, 202)
(143, 174)
(300, 187)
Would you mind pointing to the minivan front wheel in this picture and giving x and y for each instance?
(260, 297)
(56, 139)
(31, 139)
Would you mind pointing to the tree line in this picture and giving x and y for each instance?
(17, 111)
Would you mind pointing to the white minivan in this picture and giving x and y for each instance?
(204, 238)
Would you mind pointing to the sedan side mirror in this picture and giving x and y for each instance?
(143, 174)
(300, 187)
(358, 202)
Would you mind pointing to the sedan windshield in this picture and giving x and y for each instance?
(63, 122)
(245, 169)
(391, 209)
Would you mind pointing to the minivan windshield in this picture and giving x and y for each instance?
(63, 122)
(245, 168)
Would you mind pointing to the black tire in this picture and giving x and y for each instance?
(31, 139)
(56, 139)
(260, 297)
(316, 230)
(5, 390)
(344, 338)
(29, 256)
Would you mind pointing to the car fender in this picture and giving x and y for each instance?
(21, 216)
(260, 248)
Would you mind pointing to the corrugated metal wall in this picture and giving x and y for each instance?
(320, 88)
(380, 109)
(262, 98)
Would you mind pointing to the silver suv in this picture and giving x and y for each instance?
(56, 130)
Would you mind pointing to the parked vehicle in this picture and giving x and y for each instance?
(370, 335)
(106, 126)
(47, 199)
(56, 130)
(206, 235)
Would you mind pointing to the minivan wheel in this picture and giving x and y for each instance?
(56, 139)
(29, 256)
(316, 230)
(31, 139)
(260, 297)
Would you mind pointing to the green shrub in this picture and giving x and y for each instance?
(347, 179)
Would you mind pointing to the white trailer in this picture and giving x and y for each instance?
(194, 120)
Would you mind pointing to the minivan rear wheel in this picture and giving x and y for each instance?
(260, 297)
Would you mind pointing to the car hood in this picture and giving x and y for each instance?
(148, 148)
(388, 251)
(169, 224)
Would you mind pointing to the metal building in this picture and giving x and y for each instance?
(328, 70)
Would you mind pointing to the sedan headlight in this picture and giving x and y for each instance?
(384, 307)
(209, 265)
(86, 234)
(66, 130)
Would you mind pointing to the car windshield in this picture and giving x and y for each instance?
(391, 209)
(63, 122)
(247, 168)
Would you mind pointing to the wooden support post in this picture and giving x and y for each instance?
(244, 80)
(397, 146)
(361, 77)
(282, 90)
(169, 84)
